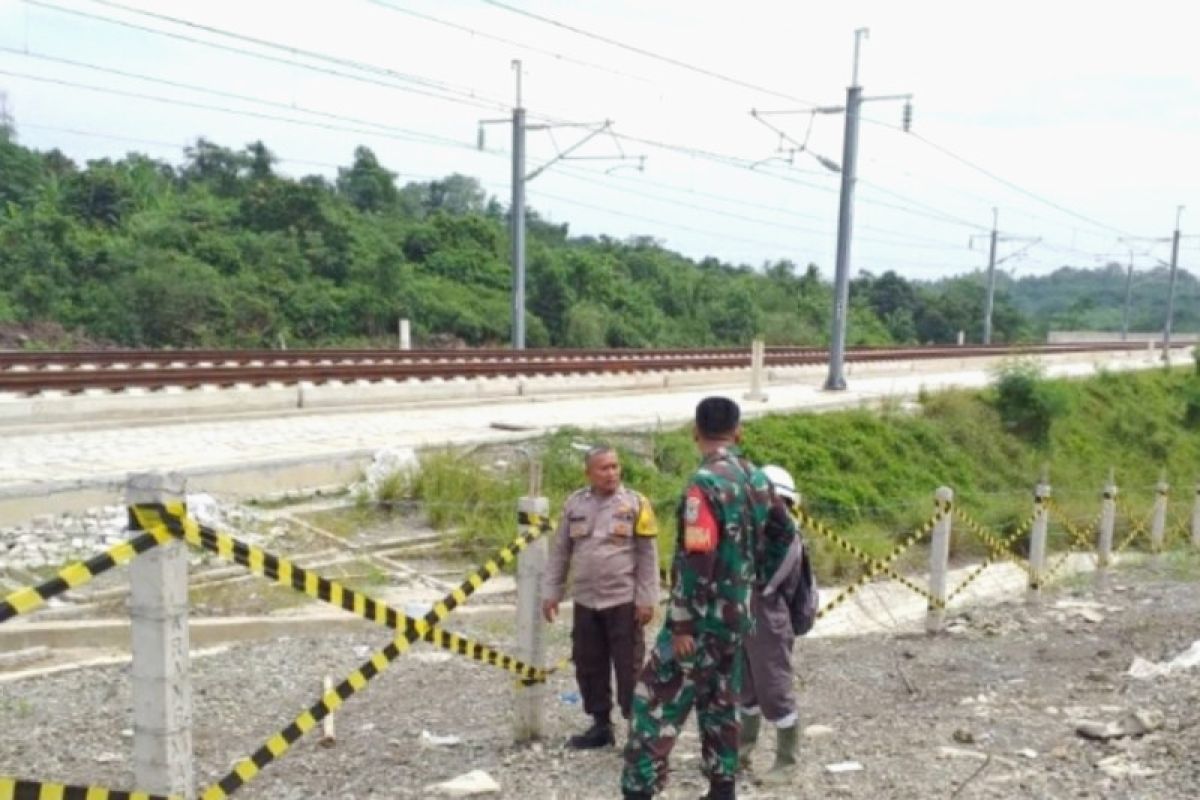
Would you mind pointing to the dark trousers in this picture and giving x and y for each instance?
(604, 641)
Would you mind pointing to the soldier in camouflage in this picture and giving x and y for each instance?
(696, 658)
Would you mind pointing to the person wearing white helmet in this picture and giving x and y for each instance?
(767, 684)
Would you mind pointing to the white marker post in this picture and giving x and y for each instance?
(162, 690)
(1037, 542)
(1158, 527)
(939, 560)
(529, 702)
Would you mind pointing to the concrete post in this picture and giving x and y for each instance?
(757, 368)
(962, 338)
(1037, 542)
(939, 558)
(162, 691)
(405, 335)
(1158, 525)
(1196, 519)
(530, 701)
(1108, 521)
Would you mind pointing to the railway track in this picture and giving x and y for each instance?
(31, 373)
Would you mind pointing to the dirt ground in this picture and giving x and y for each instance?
(988, 710)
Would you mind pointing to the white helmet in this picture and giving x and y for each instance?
(781, 479)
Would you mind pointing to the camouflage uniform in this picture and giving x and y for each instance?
(720, 525)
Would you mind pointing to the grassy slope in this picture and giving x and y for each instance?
(871, 475)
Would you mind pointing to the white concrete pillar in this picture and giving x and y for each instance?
(405, 335)
(1037, 542)
(1108, 521)
(162, 692)
(962, 338)
(939, 558)
(757, 369)
(1196, 518)
(530, 701)
(1158, 526)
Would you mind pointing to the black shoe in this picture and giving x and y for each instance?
(721, 790)
(599, 735)
(628, 795)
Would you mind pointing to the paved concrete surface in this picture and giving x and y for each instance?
(67, 470)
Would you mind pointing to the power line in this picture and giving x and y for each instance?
(215, 92)
(1001, 180)
(412, 137)
(345, 62)
(469, 98)
(493, 37)
(160, 143)
(650, 54)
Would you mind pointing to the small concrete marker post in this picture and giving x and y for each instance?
(405, 335)
(162, 691)
(530, 701)
(1037, 541)
(757, 369)
(1108, 521)
(939, 558)
(328, 729)
(1196, 518)
(1158, 526)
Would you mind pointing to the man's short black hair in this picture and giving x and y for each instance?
(717, 417)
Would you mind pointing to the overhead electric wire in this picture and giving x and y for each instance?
(214, 92)
(828, 233)
(493, 37)
(999, 179)
(412, 137)
(164, 144)
(476, 101)
(651, 54)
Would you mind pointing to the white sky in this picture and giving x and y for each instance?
(1094, 108)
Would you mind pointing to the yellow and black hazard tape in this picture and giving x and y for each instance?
(72, 576)
(997, 549)
(1136, 529)
(285, 573)
(875, 569)
(249, 767)
(998, 546)
(14, 789)
(1079, 538)
(811, 524)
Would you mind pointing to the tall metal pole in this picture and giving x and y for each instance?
(989, 304)
(841, 291)
(517, 213)
(1166, 353)
(1128, 298)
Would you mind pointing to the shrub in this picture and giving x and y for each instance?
(1026, 401)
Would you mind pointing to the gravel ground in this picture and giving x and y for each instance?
(988, 710)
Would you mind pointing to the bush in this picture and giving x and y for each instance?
(1026, 401)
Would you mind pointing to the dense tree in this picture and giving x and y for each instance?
(224, 250)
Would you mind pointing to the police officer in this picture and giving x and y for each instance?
(767, 687)
(607, 538)
(696, 657)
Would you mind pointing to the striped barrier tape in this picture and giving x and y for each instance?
(13, 789)
(248, 768)
(1078, 537)
(1000, 551)
(809, 523)
(1136, 529)
(72, 576)
(307, 582)
(916, 536)
(999, 547)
